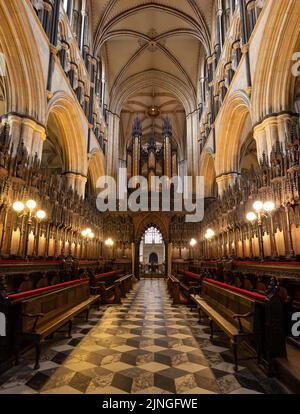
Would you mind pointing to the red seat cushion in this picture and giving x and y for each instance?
(112, 273)
(190, 274)
(30, 261)
(248, 293)
(248, 262)
(23, 295)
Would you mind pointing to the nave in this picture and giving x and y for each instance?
(145, 345)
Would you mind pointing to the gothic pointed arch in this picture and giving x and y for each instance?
(68, 123)
(273, 79)
(233, 129)
(207, 170)
(24, 74)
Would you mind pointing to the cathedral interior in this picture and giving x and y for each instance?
(146, 300)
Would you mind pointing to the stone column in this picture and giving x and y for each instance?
(223, 90)
(237, 53)
(28, 131)
(226, 180)
(259, 135)
(113, 144)
(192, 150)
(245, 39)
(80, 183)
(272, 130)
(71, 179)
(252, 15)
(220, 24)
(229, 74)
(70, 11)
(83, 24)
(53, 37)
(80, 93)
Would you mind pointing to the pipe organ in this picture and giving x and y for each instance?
(152, 158)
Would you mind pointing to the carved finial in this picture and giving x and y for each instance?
(3, 286)
(272, 289)
(167, 127)
(137, 128)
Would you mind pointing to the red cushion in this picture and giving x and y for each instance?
(30, 261)
(23, 295)
(248, 293)
(88, 262)
(242, 262)
(190, 274)
(112, 273)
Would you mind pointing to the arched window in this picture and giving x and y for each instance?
(65, 3)
(153, 236)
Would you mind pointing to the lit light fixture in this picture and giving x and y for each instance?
(109, 242)
(258, 206)
(269, 206)
(153, 111)
(209, 234)
(31, 204)
(87, 233)
(18, 206)
(193, 242)
(41, 214)
(251, 216)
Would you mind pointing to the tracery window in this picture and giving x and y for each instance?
(65, 3)
(153, 236)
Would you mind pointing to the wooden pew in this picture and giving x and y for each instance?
(26, 275)
(35, 315)
(105, 286)
(173, 286)
(181, 289)
(125, 284)
(245, 315)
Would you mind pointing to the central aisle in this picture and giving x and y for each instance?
(145, 345)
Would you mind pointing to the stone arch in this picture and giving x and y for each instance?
(96, 167)
(273, 78)
(25, 83)
(121, 92)
(148, 221)
(207, 170)
(233, 129)
(63, 112)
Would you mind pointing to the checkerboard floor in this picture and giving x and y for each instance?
(145, 345)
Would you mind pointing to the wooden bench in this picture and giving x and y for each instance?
(125, 284)
(105, 286)
(244, 315)
(181, 288)
(44, 311)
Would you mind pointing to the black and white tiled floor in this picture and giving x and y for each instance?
(146, 345)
